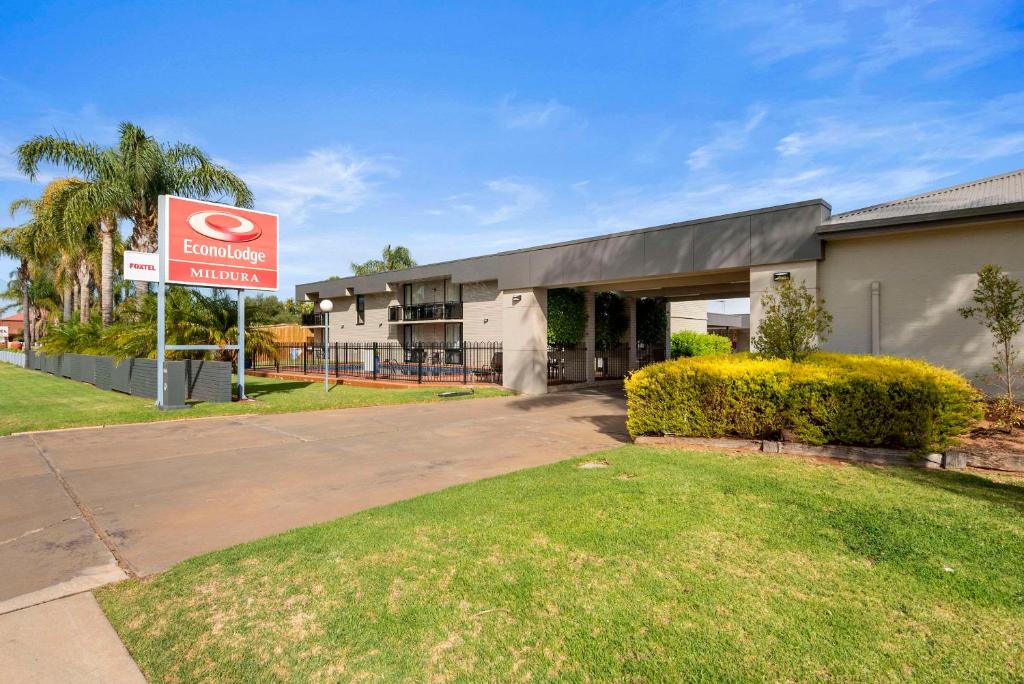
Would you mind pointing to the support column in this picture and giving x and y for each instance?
(525, 344)
(763, 277)
(668, 331)
(634, 361)
(590, 335)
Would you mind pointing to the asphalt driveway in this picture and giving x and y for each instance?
(81, 508)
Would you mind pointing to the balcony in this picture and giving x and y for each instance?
(415, 313)
(313, 320)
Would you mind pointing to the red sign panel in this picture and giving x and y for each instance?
(216, 245)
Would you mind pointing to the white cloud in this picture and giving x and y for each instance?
(922, 133)
(865, 38)
(787, 31)
(330, 180)
(532, 115)
(513, 198)
(730, 137)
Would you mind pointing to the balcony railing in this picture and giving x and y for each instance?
(439, 311)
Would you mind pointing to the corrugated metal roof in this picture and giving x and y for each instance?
(1007, 188)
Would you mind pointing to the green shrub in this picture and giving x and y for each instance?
(567, 317)
(827, 399)
(686, 344)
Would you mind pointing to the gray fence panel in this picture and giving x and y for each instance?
(209, 381)
(15, 358)
(76, 367)
(87, 368)
(67, 365)
(175, 383)
(143, 380)
(104, 367)
(37, 360)
(121, 376)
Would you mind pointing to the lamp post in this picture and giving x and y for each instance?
(325, 306)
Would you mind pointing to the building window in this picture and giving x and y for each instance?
(360, 309)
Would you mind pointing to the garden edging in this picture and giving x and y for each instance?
(951, 459)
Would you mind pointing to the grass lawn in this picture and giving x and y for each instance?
(664, 566)
(30, 400)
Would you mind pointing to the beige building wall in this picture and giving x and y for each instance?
(375, 329)
(761, 280)
(923, 278)
(691, 316)
(481, 312)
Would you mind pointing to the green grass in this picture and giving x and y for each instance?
(664, 566)
(30, 400)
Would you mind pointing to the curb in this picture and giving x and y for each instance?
(952, 459)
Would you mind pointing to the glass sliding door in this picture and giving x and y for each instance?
(453, 343)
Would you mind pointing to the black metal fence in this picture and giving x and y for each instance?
(567, 365)
(611, 363)
(469, 362)
(646, 354)
(436, 311)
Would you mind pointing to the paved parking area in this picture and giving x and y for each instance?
(79, 508)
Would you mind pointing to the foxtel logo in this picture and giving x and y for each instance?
(142, 267)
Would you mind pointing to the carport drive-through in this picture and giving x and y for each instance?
(81, 508)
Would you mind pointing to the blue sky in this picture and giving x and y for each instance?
(464, 128)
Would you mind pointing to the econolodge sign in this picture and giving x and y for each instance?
(215, 245)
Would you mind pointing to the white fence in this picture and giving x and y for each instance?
(15, 357)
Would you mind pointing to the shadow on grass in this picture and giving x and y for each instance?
(273, 387)
(967, 484)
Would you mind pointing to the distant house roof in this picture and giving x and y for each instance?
(998, 194)
(14, 317)
(724, 320)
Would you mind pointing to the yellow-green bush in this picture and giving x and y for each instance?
(826, 399)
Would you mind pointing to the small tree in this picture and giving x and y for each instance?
(567, 317)
(999, 303)
(611, 321)
(651, 321)
(793, 322)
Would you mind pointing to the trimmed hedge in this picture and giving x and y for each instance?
(826, 399)
(686, 343)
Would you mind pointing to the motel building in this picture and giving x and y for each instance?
(893, 275)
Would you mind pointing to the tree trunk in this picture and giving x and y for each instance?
(83, 286)
(107, 272)
(25, 312)
(144, 242)
(37, 323)
(68, 300)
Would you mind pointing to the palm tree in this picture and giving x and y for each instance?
(192, 318)
(392, 259)
(125, 182)
(15, 243)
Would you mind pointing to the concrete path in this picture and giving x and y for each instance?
(149, 496)
(68, 640)
(83, 508)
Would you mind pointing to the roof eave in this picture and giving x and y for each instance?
(894, 223)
